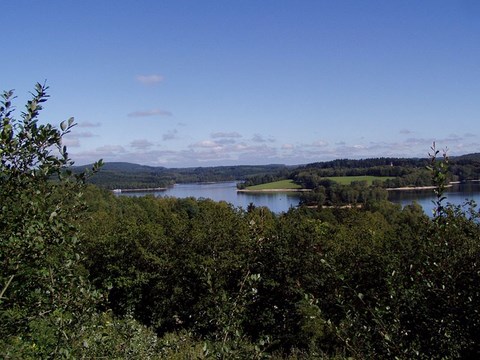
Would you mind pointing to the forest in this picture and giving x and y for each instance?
(86, 274)
(117, 175)
(395, 173)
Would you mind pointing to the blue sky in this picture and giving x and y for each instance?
(203, 83)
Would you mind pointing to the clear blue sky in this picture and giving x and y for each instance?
(218, 82)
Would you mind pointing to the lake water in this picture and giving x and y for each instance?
(227, 191)
(458, 194)
(281, 202)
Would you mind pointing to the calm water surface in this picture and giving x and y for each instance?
(281, 202)
(227, 191)
(458, 194)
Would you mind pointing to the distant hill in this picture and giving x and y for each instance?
(124, 175)
(467, 157)
(126, 167)
(129, 175)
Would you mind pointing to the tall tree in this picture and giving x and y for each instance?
(42, 291)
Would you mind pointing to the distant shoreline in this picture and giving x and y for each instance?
(407, 188)
(139, 190)
(403, 188)
(273, 190)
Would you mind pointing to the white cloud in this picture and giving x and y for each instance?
(320, 143)
(452, 138)
(141, 144)
(88, 124)
(226, 141)
(233, 134)
(107, 153)
(241, 147)
(152, 112)
(70, 142)
(149, 79)
(110, 149)
(228, 150)
(73, 139)
(418, 141)
(206, 144)
(78, 135)
(260, 139)
(172, 134)
(84, 134)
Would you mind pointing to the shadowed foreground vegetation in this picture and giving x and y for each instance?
(85, 274)
(377, 282)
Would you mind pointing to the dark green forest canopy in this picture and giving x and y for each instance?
(376, 282)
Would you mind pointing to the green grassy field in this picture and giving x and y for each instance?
(282, 184)
(347, 180)
(343, 180)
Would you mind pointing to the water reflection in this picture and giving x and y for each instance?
(282, 202)
(227, 191)
(458, 194)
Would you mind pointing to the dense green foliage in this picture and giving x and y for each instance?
(330, 193)
(408, 172)
(47, 306)
(129, 176)
(369, 179)
(401, 172)
(389, 176)
(85, 274)
(376, 282)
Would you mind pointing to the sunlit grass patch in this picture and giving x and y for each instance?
(281, 184)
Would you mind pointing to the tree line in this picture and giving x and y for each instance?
(132, 176)
(398, 172)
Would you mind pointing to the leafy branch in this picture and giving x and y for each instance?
(439, 173)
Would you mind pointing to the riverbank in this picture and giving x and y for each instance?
(407, 188)
(271, 190)
(347, 206)
(139, 190)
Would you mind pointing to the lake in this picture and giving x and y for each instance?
(227, 191)
(281, 202)
(457, 194)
